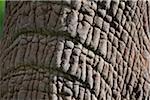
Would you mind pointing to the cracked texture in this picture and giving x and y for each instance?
(92, 50)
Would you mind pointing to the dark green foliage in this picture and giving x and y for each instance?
(2, 11)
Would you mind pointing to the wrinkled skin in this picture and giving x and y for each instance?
(76, 50)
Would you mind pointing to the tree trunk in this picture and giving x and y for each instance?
(76, 50)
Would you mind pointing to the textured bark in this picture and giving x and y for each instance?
(76, 50)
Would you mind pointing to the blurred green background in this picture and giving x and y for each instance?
(2, 11)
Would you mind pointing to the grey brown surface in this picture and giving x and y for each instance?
(76, 50)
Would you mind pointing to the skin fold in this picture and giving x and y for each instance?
(76, 50)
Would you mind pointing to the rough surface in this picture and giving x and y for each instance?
(76, 50)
